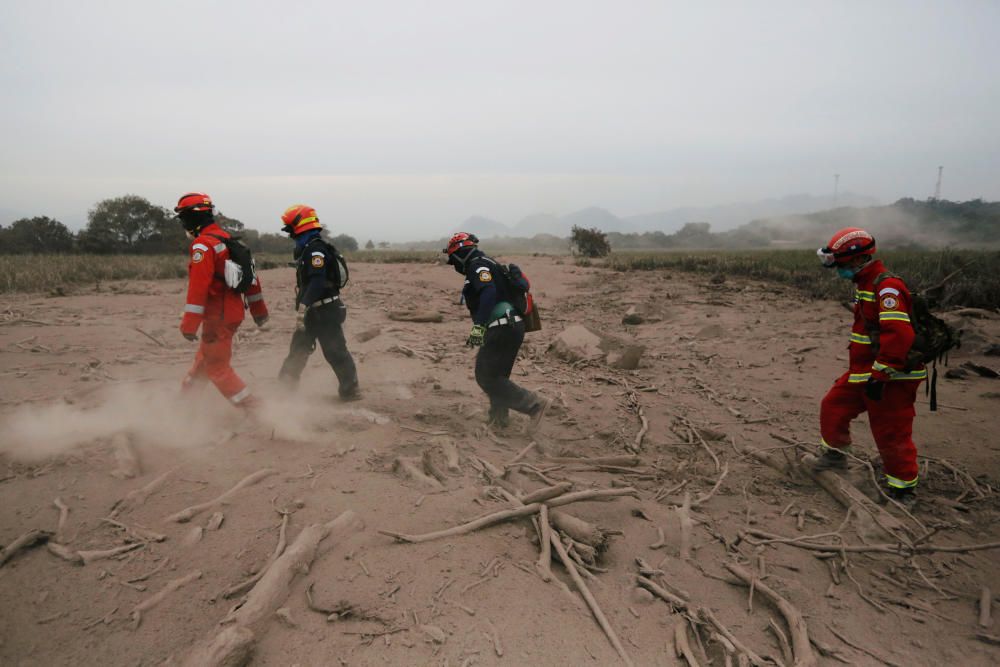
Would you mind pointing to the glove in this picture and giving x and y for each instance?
(873, 390)
(476, 336)
(190, 336)
(261, 321)
(300, 321)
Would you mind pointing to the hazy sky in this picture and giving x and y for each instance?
(395, 119)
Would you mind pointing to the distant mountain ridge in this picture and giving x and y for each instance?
(721, 218)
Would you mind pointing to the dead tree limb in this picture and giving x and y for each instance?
(684, 516)
(137, 533)
(985, 601)
(125, 457)
(138, 496)
(189, 513)
(682, 647)
(60, 535)
(515, 513)
(160, 595)
(704, 498)
(279, 549)
(546, 493)
(804, 656)
(25, 541)
(591, 602)
(89, 557)
(545, 557)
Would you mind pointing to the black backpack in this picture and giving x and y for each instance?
(336, 271)
(244, 274)
(933, 337)
(517, 286)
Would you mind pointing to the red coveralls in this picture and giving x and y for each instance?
(219, 310)
(880, 339)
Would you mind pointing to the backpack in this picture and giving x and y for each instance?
(933, 337)
(336, 271)
(240, 270)
(518, 289)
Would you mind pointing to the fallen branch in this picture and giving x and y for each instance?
(60, 535)
(704, 498)
(546, 493)
(139, 496)
(684, 516)
(545, 557)
(682, 647)
(232, 645)
(985, 601)
(151, 337)
(138, 533)
(591, 602)
(159, 596)
(801, 647)
(861, 648)
(189, 513)
(410, 468)
(279, 549)
(630, 461)
(89, 557)
(515, 513)
(125, 457)
(25, 541)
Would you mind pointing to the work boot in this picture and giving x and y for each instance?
(350, 393)
(831, 459)
(536, 414)
(905, 497)
(499, 418)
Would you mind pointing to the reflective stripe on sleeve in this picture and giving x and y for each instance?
(893, 316)
(192, 308)
(897, 483)
(254, 298)
(219, 247)
(861, 339)
(862, 295)
(858, 377)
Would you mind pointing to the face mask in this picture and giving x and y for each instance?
(846, 273)
(189, 235)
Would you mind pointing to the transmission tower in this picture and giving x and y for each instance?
(937, 188)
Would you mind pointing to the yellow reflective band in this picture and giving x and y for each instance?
(861, 295)
(899, 375)
(897, 483)
(893, 316)
(305, 221)
(858, 377)
(861, 339)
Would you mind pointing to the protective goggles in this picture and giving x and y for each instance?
(826, 257)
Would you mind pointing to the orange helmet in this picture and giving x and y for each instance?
(300, 218)
(848, 242)
(194, 202)
(460, 240)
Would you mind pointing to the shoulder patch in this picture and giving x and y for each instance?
(197, 256)
(318, 261)
(484, 275)
(889, 302)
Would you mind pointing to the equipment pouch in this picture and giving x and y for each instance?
(233, 274)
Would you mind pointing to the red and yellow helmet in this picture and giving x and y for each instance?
(300, 218)
(845, 244)
(460, 240)
(194, 202)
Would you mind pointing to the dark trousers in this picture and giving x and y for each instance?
(323, 324)
(494, 363)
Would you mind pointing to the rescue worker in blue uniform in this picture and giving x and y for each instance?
(317, 273)
(497, 331)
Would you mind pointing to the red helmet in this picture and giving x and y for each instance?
(460, 240)
(194, 202)
(300, 218)
(848, 242)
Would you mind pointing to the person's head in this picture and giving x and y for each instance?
(195, 210)
(848, 251)
(298, 219)
(461, 245)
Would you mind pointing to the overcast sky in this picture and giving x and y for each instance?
(395, 119)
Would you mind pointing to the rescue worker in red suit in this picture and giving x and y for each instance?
(213, 305)
(879, 380)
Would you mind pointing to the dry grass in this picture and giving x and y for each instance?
(977, 284)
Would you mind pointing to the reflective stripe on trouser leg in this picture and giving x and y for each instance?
(842, 403)
(240, 396)
(891, 421)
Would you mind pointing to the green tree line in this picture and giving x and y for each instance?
(131, 225)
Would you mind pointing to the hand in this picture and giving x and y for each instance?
(190, 336)
(300, 321)
(476, 336)
(873, 390)
(261, 321)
